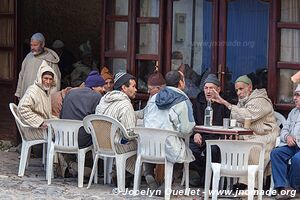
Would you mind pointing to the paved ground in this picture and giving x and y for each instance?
(34, 186)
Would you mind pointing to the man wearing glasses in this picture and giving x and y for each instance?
(286, 177)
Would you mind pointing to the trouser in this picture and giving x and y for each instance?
(84, 139)
(283, 174)
(199, 164)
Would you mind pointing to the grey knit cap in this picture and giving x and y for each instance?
(212, 78)
(121, 78)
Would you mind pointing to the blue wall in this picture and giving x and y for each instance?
(247, 36)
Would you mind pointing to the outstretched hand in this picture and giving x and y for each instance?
(216, 96)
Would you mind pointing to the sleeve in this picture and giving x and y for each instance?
(285, 131)
(20, 80)
(182, 118)
(27, 114)
(254, 109)
(128, 119)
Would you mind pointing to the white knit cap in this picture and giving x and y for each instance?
(57, 44)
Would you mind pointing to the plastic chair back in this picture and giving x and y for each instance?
(235, 155)
(103, 129)
(280, 119)
(14, 110)
(151, 143)
(65, 133)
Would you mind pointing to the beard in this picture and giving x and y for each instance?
(36, 52)
(46, 88)
(243, 100)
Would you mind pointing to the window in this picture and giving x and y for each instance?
(7, 39)
(133, 37)
(285, 51)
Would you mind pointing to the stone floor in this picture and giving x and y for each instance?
(34, 186)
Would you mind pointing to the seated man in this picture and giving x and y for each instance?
(287, 177)
(155, 83)
(77, 104)
(117, 104)
(197, 143)
(35, 105)
(81, 102)
(257, 106)
(109, 80)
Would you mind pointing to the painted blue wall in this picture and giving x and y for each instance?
(247, 36)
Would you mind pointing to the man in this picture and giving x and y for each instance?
(156, 82)
(78, 103)
(81, 102)
(35, 106)
(257, 106)
(66, 60)
(174, 102)
(285, 176)
(117, 104)
(33, 61)
(197, 144)
(108, 77)
(83, 67)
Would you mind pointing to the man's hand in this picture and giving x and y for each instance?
(198, 138)
(44, 125)
(216, 97)
(291, 141)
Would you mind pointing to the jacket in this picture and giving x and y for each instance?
(179, 117)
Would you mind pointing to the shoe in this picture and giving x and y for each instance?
(239, 186)
(195, 182)
(160, 190)
(151, 182)
(285, 193)
(73, 169)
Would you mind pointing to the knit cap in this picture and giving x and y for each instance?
(121, 78)
(212, 78)
(244, 79)
(94, 80)
(57, 44)
(39, 37)
(156, 79)
(85, 49)
(106, 74)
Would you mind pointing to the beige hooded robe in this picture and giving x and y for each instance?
(35, 105)
(30, 67)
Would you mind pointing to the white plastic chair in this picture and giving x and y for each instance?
(26, 144)
(280, 119)
(103, 129)
(151, 149)
(234, 163)
(65, 141)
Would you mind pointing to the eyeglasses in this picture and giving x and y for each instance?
(296, 94)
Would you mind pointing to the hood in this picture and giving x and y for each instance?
(258, 93)
(49, 55)
(44, 68)
(113, 96)
(168, 97)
